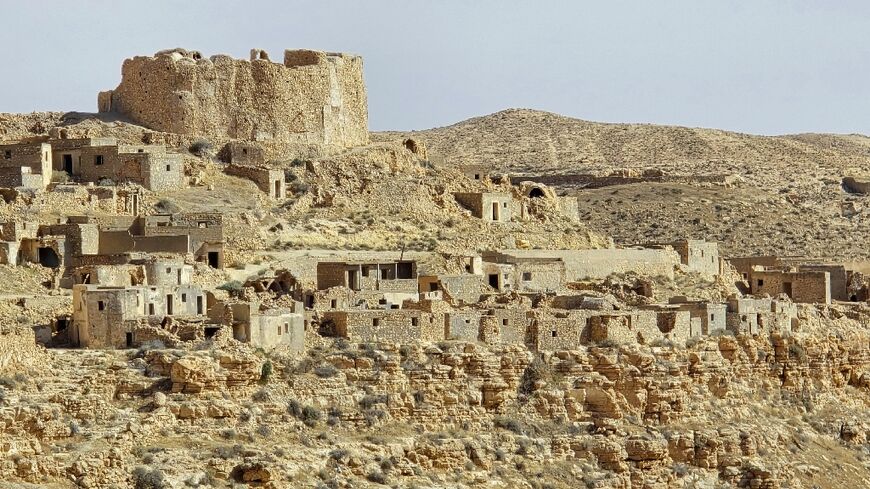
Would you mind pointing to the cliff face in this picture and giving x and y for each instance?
(784, 410)
(313, 98)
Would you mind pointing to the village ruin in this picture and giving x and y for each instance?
(223, 213)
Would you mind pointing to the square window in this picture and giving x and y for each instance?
(376, 322)
(183, 297)
(98, 159)
(168, 167)
(168, 270)
(554, 333)
(504, 322)
(413, 321)
(527, 276)
(7, 155)
(101, 305)
(760, 282)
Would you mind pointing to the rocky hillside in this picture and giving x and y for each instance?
(755, 194)
(718, 412)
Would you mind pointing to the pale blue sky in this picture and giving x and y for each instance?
(768, 67)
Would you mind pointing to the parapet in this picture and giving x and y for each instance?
(313, 99)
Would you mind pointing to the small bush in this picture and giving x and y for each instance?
(325, 370)
(511, 424)
(310, 416)
(261, 395)
(229, 434)
(534, 372)
(377, 478)
(373, 416)
(59, 176)
(201, 147)
(797, 352)
(294, 408)
(234, 287)
(264, 431)
(370, 400)
(297, 162)
(166, 206)
(143, 478)
(298, 187)
(265, 373)
(339, 453)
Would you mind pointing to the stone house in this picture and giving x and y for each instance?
(479, 173)
(757, 316)
(95, 159)
(489, 206)
(107, 316)
(264, 328)
(269, 180)
(399, 326)
(706, 317)
(457, 289)
(199, 234)
(801, 286)
(367, 275)
(25, 165)
(602, 263)
(506, 270)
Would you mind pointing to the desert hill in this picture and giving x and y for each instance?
(755, 194)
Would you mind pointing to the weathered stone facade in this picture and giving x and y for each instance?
(312, 99)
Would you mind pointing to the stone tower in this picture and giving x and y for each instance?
(313, 99)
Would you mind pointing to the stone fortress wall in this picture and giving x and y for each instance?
(312, 99)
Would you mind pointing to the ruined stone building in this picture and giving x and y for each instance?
(25, 165)
(697, 255)
(107, 316)
(489, 206)
(759, 316)
(269, 180)
(813, 286)
(90, 160)
(250, 323)
(390, 283)
(312, 99)
(198, 234)
(508, 271)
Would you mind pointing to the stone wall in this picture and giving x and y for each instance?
(270, 181)
(18, 349)
(489, 206)
(400, 326)
(810, 286)
(34, 156)
(312, 99)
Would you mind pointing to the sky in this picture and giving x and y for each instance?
(757, 66)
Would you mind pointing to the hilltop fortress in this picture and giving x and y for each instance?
(314, 100)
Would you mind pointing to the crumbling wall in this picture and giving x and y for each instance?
(809, 287)
(18, 349)
(313, 98)
(270, 181)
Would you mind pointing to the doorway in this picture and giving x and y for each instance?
(277, 189)
(495, 211)
(493, 280)
(67, 164)
(48, 257)
(213, 259)
(169, 305)
(129, 338)
(786, 287)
